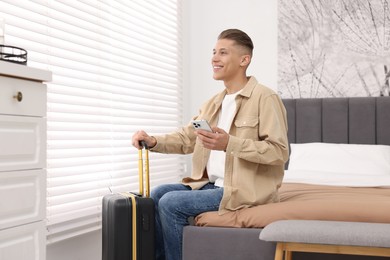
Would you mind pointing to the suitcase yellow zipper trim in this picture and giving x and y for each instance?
(134, 227)
(134, 223)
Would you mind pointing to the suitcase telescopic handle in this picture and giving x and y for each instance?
(141, 170)
(143, 144)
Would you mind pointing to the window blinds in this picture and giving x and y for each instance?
(116, 69)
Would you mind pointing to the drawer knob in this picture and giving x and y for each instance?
(19, 96)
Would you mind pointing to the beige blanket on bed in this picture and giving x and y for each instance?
(315, 202)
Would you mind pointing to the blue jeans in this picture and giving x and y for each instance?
(174, 204)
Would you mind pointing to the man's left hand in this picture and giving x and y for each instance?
(217, 140)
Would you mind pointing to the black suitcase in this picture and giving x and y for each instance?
(128, 221)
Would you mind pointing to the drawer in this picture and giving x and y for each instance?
(23, 143)
(27, 242)
(22, 197)
(32, 97)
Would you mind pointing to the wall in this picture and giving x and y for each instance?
(202, 21)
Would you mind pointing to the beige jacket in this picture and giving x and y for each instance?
(256, 152)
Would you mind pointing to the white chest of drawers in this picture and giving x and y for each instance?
(22, 162)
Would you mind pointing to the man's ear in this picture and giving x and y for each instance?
(245, 60)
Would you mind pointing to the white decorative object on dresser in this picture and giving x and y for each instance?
(22, 162)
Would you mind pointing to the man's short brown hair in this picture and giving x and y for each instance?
(240, 37)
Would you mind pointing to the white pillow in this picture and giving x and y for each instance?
(341, 158)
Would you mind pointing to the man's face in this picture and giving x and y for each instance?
(226, 60)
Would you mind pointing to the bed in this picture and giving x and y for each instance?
(319, 130)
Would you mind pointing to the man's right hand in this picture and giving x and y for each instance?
(143, 136)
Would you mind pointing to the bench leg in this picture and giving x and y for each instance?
(288, 255)
(279, 251)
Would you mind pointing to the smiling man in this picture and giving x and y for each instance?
(240, 164)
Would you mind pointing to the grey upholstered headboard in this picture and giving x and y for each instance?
(358, 120)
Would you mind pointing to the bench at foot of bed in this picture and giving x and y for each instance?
(352, 238)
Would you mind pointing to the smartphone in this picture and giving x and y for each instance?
(201, 124)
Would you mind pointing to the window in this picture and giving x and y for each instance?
(116, 69)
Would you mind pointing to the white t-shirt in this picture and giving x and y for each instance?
(216, 163)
